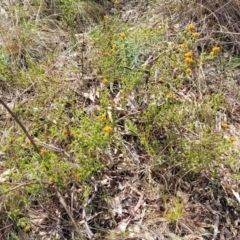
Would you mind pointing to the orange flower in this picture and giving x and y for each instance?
(233, 139)
(122, 35)
(191, 27)
(66, 131)
(27, 228)
(77, 176)
(195, 35)
(105, 17)
(108, 129)
(105, 81)
(188, 60)
(183, 45)
(169, 95)
(43, 151)
(188, 54)
(224, 125)
(103, 118)
(51, 179)
(106, 54)
(215, 50)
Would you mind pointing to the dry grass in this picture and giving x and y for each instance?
(52, 75)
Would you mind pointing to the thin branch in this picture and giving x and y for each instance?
(216, 225)
(18, 186)
(63, 203)
(88, 230)
(20, 124)
(8, 226)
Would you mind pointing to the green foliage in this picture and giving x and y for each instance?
(172, 130)
(173, 121)
(179, 133)
(5, 69)
(175, 211)
(78, 14)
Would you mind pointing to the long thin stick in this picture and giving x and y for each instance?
(63, 203)
(20, 124)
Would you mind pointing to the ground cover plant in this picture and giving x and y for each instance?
(119, 120)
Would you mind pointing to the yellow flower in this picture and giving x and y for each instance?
(114, 46)
(116, 2)
(66, 131)
(77, 176)
(106, 54)
(105, 81)
(108, 129)
(183, 45)
(188, 70)
(103, 118)
(105, 17)
(51, 179)
(122, 35)
(27, 228)
(215, 50)
(191, 27)
(232, 139)
(188, 60)
(224, 125)
(188, 54)
(43, 151)
(196, 35)
(169, 95)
